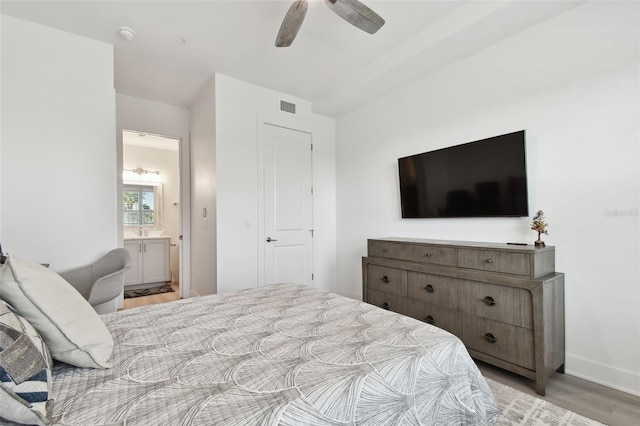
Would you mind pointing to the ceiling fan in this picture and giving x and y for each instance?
(352, 11)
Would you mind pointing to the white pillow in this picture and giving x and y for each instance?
(71, 328)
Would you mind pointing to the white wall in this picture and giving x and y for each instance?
(167, 163)
(58, 159)
(572, 83)
(166, 120)
(203, 192)
(241, 108)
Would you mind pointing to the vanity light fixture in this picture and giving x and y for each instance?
(141, 171)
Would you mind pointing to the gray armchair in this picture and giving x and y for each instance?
(102, 282)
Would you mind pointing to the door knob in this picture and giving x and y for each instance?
(269, 239)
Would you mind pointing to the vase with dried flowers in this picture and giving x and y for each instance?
(540, 226)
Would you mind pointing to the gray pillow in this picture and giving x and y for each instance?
(71, 328)
(25, 371)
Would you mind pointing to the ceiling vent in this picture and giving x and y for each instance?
(287, 107)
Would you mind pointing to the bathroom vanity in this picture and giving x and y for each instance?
(149, 261)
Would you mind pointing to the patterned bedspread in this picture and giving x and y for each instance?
(276, 355)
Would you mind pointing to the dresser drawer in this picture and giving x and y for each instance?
(432, 254)
(495, 261)
(444, 318)
(504, 341)
(510, 305)
(391, 302)
(388, 280)
(434, 289)
(385, 249)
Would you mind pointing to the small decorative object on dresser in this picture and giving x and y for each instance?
(505, 302)
(540, 226)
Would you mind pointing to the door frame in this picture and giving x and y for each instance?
(295, 123)
(184, 246)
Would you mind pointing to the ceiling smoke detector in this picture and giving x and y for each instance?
(127, 33)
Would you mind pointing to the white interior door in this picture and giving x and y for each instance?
(288, 217)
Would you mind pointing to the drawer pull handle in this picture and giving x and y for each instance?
(385, 305)
(489, 260)
(429, 288)
(430, 320)
(428, 254)
(385, 279)
(489, 301)
(490, 338)
(385, 250)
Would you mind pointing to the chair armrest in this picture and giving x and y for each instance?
(80, 278)
(107, 288)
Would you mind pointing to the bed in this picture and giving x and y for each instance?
(282, 354)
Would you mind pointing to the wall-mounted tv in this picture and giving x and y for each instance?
(485, 178)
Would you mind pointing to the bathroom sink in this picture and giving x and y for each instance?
(156, 233)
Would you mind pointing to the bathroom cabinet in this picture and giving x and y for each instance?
(149, 261)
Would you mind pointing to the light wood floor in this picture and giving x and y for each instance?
(589, 399)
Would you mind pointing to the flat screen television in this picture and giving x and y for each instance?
(485, 178)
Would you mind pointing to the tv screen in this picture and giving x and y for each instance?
(485, 178)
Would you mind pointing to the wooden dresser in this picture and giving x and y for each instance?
(505, 302)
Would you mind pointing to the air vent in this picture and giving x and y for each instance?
(287, 107)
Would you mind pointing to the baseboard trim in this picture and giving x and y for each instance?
(602, 374)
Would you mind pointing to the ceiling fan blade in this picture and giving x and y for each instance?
(291, 23)
(357, 14)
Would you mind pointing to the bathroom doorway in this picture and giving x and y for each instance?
(152, 212)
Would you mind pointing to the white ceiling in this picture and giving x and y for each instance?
(147, 140)
(332, 64)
